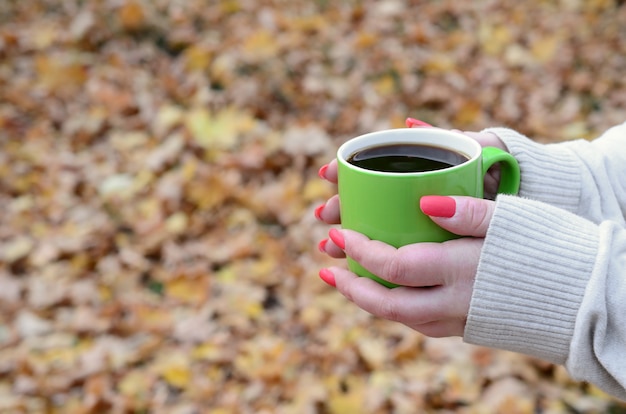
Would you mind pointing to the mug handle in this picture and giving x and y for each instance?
(510, 172)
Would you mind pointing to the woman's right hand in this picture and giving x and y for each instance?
(492, 179)
(329, 211)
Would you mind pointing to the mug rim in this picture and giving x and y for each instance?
(427, 136)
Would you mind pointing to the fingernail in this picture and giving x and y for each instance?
(322, 245)
(322, 171)
(318, 211)
(412, 123)
(337, 238)
(328, 277)
(438, 206)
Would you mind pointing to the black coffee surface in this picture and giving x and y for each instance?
(406, 158)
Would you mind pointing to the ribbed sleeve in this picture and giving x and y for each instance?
(550, 173)
(551, 281)
(534, 267)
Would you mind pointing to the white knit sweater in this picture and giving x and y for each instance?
(551, 282)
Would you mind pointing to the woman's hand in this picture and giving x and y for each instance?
(437, 278)
(329, 211)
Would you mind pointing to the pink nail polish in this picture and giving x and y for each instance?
(322, 245)
(438, 206)
(413, 123)
(328, 277)
(318, 211)
(337, 238)
(322, 171)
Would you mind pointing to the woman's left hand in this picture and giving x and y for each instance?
(436, 279)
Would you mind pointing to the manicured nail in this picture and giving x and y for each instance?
(318, 211)
(412, 123)
(322, 245)
(438, 206)
(337, 238)
(322, 171)
(328, 277)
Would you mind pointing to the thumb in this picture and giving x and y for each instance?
(465, 216)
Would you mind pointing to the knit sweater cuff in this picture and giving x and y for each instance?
(531, 278)
(550, 173)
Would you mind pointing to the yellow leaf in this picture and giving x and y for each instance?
(223, 69)
(311, 23)
(197, 57)
(177, 223)
(153, 318)
(175, 369)
(128, 141)
(385, 86)
(186, 289)
(43, 36)
(265, 358)
(208, 193)
(178, 376)
(575, 130)
(494, 39)
(374, 351)
(365, 40)
(227, 275)
(117, 186)
(439, 63)
(316, 189)
(104, 293)
(545, 48)
(135, 384)
(220, 410)
(230, 6)
(309, 391)
(469, 112)
(261, 44)
(516, 406)
(517, 55)
(218, 131)
(143, 179)
(253, 309)
(189, 169)
(132, 15)
(200, 123)
(168, 117)
(207, 352)
(150, 210)
(16, 249)
(60, 71)
(312, 317)
(347, 395)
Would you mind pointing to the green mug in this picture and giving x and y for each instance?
(384, 205)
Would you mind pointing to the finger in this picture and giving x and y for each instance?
(329, 171)
(414, 265)
(486, 139)
(465, 216)
(492, 178)
(330, 248)
(415, 307)
(385, 261)
(492, 181)
(329, 212)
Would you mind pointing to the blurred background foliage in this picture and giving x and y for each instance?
(158, 165)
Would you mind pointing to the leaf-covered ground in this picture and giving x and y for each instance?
(158, 165)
